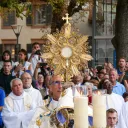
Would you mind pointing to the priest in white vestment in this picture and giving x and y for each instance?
(123, 118)
(18, 109)
(55, 88)
(113, 100)
(34, 93)
(59, 100)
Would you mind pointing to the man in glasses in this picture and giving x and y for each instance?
(57, 99)
(34, 93)
(55, 87)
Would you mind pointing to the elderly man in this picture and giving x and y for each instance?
(59, 104)
(112, 118)
(57, 100)
(117, 87)
(113, 100)
(55, 88)
(34, 93)
(17, 111)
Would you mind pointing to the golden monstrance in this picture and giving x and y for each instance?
(66, 51)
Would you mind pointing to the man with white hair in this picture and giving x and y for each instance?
(18, 110)
(117, 87)
(34, 93)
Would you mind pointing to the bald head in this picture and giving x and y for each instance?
(27, 80)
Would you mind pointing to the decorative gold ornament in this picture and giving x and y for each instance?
(55, 121)
(66, 51)
(42, 117)
(38, 122)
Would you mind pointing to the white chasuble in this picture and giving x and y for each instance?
(114, 101)
(35, 95)
(17, 111)
(123, 118)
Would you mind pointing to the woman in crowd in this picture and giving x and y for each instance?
(40, 81)
(6, 56)
(90, 87)
(22, 65)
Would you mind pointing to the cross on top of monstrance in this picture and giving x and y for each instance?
(67, 18)
(67, 26)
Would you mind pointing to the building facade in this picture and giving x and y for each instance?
(99, 24)
(33, 28)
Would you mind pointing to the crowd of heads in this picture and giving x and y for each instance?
(100, 77)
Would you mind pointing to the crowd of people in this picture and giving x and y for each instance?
(30, 92)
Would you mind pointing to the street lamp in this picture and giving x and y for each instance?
(17, 30)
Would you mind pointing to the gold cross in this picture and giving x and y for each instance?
(67, 18)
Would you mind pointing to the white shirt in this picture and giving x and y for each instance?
(26, 66)
(35, 60)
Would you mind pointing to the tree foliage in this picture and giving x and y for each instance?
(21, 5)
(120, 40)
(60, 7)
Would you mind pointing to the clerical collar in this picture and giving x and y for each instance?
(13, 96)
(56, 100)
(28, 89)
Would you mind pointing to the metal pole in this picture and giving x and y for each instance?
(17, 46)
(17, 33)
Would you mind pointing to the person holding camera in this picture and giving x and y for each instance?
(40, 76)
(44, 70)
(35, 56)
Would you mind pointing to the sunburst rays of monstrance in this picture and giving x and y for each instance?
(66, 51)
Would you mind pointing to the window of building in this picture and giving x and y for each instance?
(11, 48)
(105, 17)
(104, 50)
(104, 14)
(42, 15)
(9, 19)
